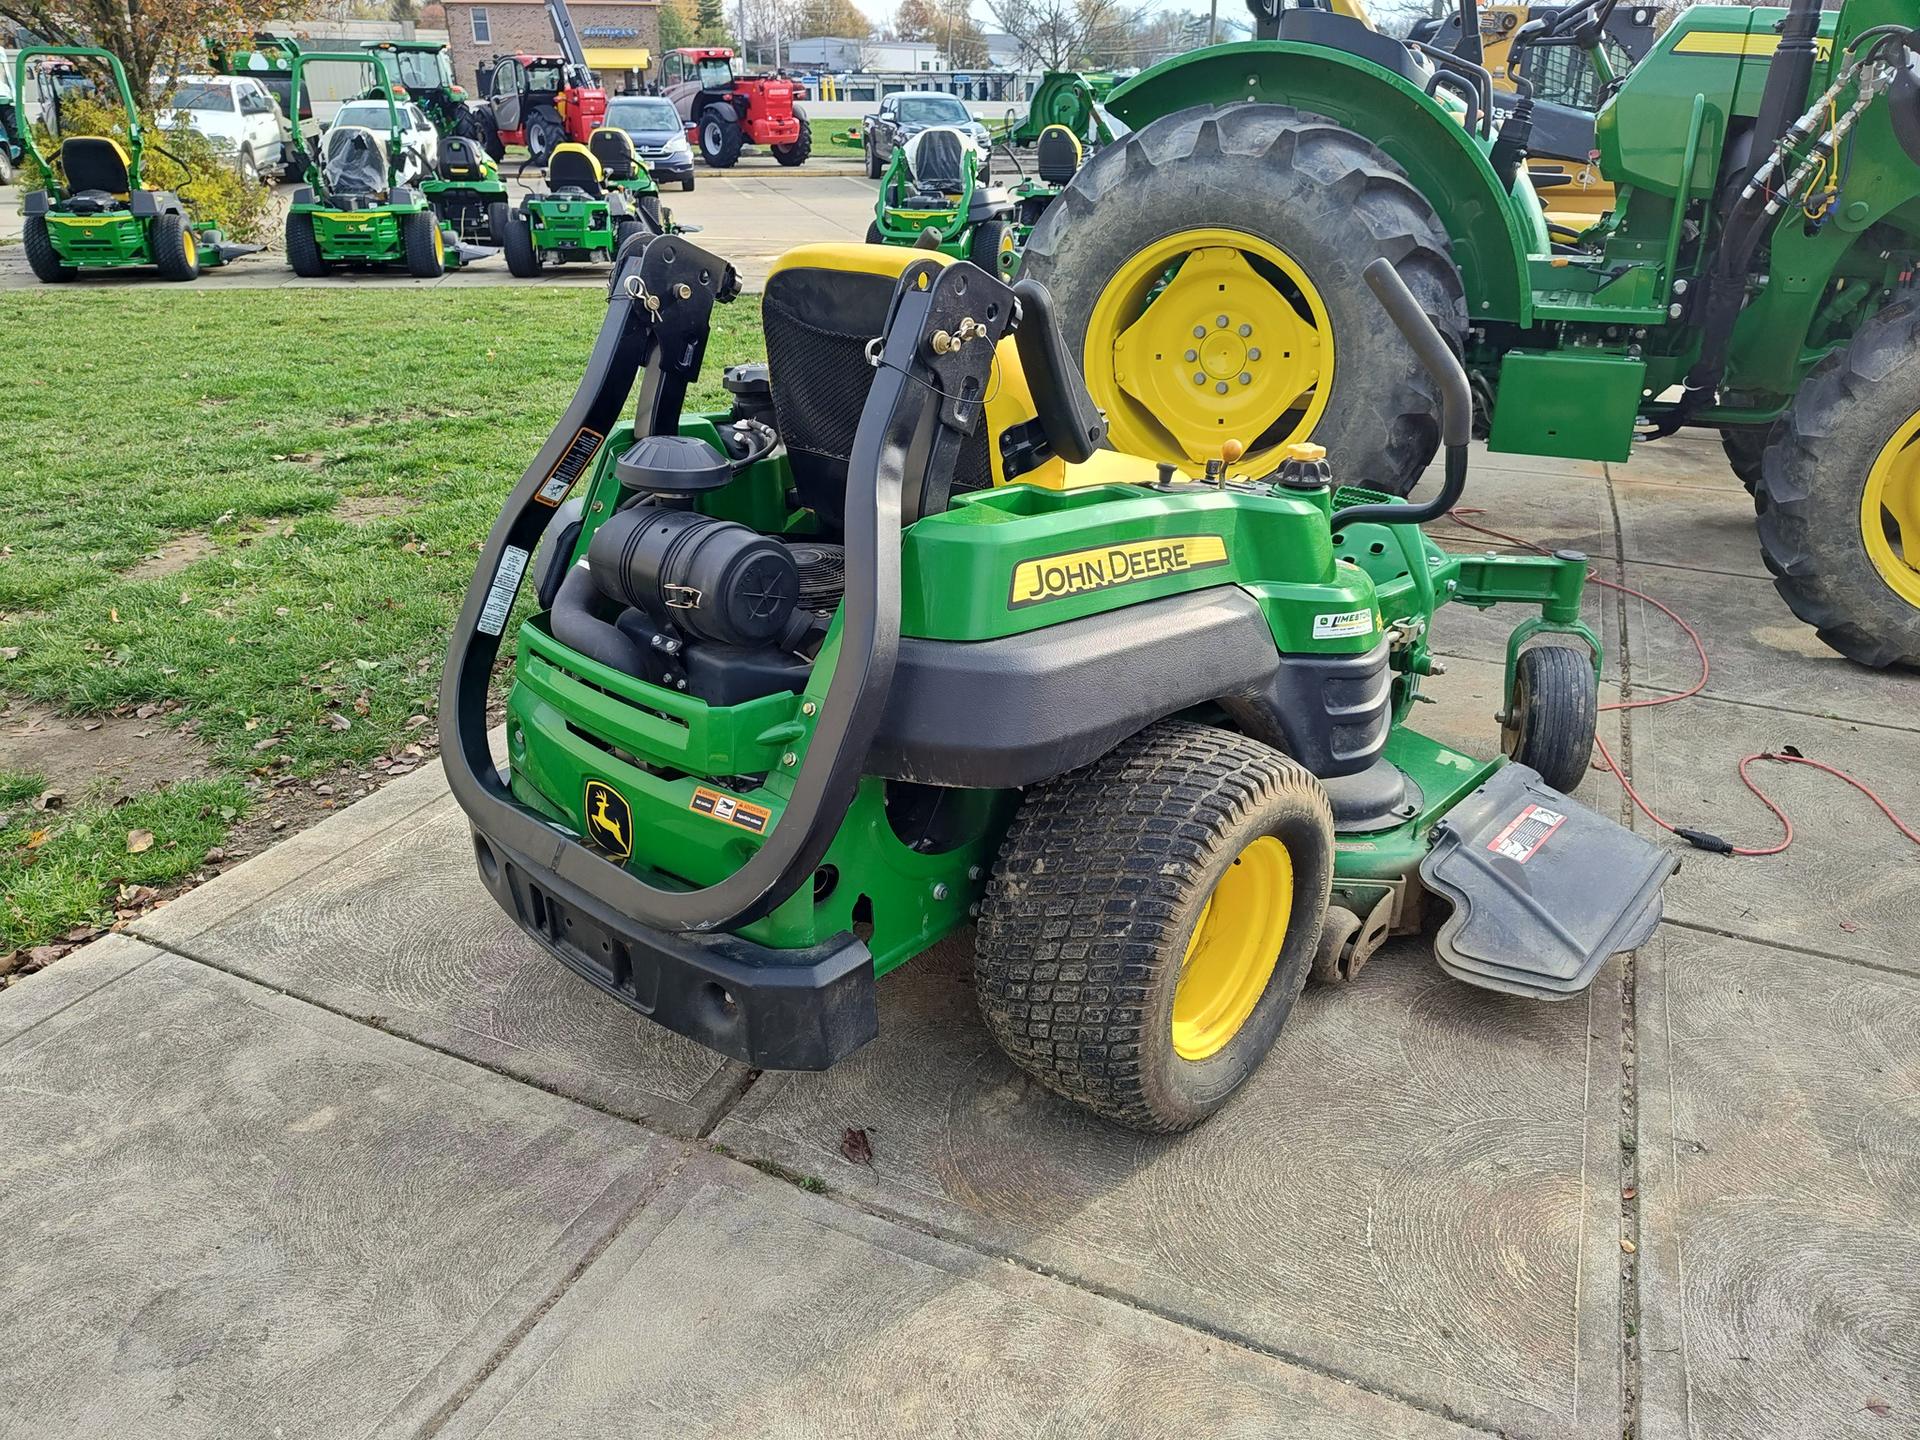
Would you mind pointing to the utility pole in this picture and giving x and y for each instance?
(1213, 22)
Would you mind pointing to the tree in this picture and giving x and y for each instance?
(147, 38)
(916, 20)
(960, 35)
(1064, 34)
(679, 24)
(838, 18)
(711, 19)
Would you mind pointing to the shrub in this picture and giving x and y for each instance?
(182, 161)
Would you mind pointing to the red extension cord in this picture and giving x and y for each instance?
(1699, 839)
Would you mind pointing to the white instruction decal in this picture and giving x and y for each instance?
(1342, 623)
(506, 584)
(1526, 833)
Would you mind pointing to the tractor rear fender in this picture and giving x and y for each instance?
(728, 111)
(1493, 232)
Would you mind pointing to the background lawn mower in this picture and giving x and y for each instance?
(466, 191)
(896, 644)
(584, 214)
(353, 210)
(96, 214)
(932, 197)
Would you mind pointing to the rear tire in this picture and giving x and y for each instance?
(720, 139)
(487, 130)
(42, 258)
(1852, 430)
(1745, 445)
(650, 209)
(992, 248)
(796, 153)
(542, 135)
(686, 184)
(1107, 877)
(497, 213)
(872, 159)
(1552, 714)
(176, 252)
(6, 167)
(874, 237)
(628, 232)
(1322, 197)
(303, 251)
(523, 260)
(426, 253)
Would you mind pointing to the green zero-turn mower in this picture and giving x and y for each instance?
(932, 197)
(895, 645)
(1756, 276)
(95, 213)
(354, 211)
(466, 191)
(599, 197)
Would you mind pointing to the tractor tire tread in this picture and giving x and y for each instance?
(303, 250)
(42, 258)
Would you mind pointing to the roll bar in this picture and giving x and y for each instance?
(372, 60)
(136, 138)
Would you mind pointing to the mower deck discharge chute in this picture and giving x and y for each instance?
(582, 215)
(353, 210)
(895, 644)
(96, 214)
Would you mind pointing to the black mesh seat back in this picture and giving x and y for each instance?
(614, 150)
(353, 163)
(936, 160)
(94, 162)
(460, 159)
(1343, 32)
(1057, 156)
(572, 167)
(818, 323)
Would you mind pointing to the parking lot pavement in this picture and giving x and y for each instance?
(749, 214)
(328, 1144)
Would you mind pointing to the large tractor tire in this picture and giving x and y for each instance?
(720, 137)
(543, 133)
(1839, 496)
(1207, 269)
(1151, 920)
(303, 250)
(426, 246)
(796, 153)
(42, 258)
(176, 249)
(487, 131)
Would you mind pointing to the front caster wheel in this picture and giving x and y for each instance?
(1151, 920)
(1552, 713)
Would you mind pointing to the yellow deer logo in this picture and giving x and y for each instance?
(609, 821)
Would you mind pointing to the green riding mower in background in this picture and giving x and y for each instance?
(95, 213)
(466, 191)
(354, 209)
(932, 197)
(895, 645)
(1756, 276)
(599, 197)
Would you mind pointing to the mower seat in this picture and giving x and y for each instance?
(613, 148)
(1058, 155)
(936, 161)
(572, 167)
(353, 165)
(96, 163)
(460, 158)
(1356, 37)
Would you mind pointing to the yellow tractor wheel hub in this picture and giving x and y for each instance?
(1235, 945)
(1207, 336)
(1893, 491)
(439, 243)
(192, 248)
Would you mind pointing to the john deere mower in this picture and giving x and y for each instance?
(932, 196)
(895, 645)
(466, 191)
(95, 213)
(353, 210)
(1756, 277)
(585, 213)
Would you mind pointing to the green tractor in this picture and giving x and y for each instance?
(95, 213)
(424, 71)
(932, 197)
(895, 645)
(599, 197)
(1755, 278)
(1071, 100)
(356, 209)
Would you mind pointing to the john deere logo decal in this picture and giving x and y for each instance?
(609, 821)
(1079, 572)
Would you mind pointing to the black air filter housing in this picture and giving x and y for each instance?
(709, 578)
(672, 465)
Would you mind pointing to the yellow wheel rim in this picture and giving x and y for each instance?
(439, 244)
(192, 248)
(1206, 336)
(1235, 945)
(1893, 494)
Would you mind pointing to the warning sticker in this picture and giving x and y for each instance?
(1079, 572)
(506, 584)
(1526, 833)
(1337, 625)
(745, 814)
(570, 466)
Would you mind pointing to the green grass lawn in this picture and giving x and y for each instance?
(262, 506)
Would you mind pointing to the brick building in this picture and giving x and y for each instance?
(621, 37)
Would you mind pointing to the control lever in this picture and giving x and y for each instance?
(1074, 426)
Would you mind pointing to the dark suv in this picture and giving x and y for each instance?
(904, 115)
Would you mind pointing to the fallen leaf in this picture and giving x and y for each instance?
(1848, 926)
(9, 652)
(414, 722)
(37, 839)
(1628, 1193)
(1628, 1246)
(50, 800)
(857, 1146)
(339, 721)
(139, 841)
(266, 744)
(1878, 1406)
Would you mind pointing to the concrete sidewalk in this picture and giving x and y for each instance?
(325, 1147)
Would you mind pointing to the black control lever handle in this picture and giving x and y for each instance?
(1074, 426)
(1433, 352)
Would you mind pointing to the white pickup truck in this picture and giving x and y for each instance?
(239, 116)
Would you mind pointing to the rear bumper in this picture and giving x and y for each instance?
(774, 132)
(665, 169)
(771, 1009)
